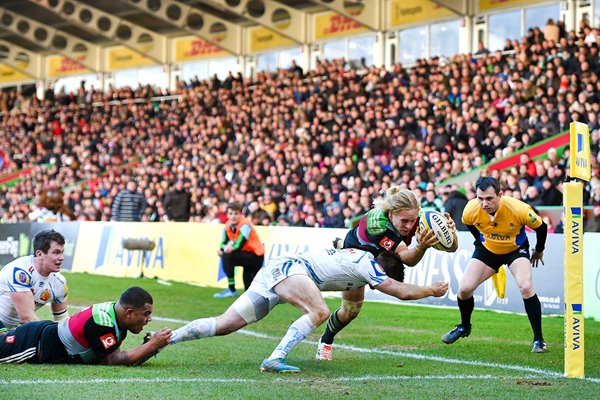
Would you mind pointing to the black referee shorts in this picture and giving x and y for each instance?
(495, 261)
(34, 342)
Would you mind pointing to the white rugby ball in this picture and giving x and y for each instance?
(437, 222)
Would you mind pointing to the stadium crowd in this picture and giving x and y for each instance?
(314, 148)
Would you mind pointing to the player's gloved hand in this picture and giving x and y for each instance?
(536, 258)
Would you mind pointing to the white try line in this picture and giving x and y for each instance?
(367, 378)
(416, 356)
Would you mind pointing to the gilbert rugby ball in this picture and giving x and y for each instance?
(437, 222)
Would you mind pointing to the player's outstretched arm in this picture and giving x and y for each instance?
(140, 354)
(406, 291)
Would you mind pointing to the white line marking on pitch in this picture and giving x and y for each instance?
(237, 380)
(416, 356)
(552, 374)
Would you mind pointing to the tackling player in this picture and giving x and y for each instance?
(389, 226)
(298, 279)
(30, 282)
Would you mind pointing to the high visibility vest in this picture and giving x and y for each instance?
(253, 243)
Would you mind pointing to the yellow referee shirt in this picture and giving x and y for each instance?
(503, 232)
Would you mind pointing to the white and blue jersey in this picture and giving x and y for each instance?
(331, 270)
(21, 276)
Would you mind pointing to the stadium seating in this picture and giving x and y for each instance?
(308, 150)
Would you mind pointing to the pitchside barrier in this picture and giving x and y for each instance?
(187, 252)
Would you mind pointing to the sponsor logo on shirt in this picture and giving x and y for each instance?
(532, 218)
(45, 295)
(21, 277)
(378, 269)
(276, 273)
(10, 339)
(108, 340)
(386, 243)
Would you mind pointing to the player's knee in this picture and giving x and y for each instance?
(465, 292)
(350, 310)
(320, 315)
(526, 290)
(225, 327)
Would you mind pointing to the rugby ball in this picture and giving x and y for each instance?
(437, 222)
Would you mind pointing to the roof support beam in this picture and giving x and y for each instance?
(76, 49)
(137, 38)
(209, 27)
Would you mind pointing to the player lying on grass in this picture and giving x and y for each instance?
(92, 336)
(298, 279)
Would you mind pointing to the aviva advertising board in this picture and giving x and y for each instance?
(180, 253)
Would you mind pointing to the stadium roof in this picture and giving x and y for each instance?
(79, 29)
(32, 24)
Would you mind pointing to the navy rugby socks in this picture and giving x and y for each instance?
(466, 309)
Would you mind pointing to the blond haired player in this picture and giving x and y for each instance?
(389, 226)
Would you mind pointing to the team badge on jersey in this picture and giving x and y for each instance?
(386, 243)
(108, 340)
(21, 277)
(10, 339)
(45, 296)
(378, 269)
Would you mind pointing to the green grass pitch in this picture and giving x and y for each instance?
(390, 352)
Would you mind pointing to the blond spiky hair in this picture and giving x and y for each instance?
(397, 199)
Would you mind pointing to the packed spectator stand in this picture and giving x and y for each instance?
(314, 148)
